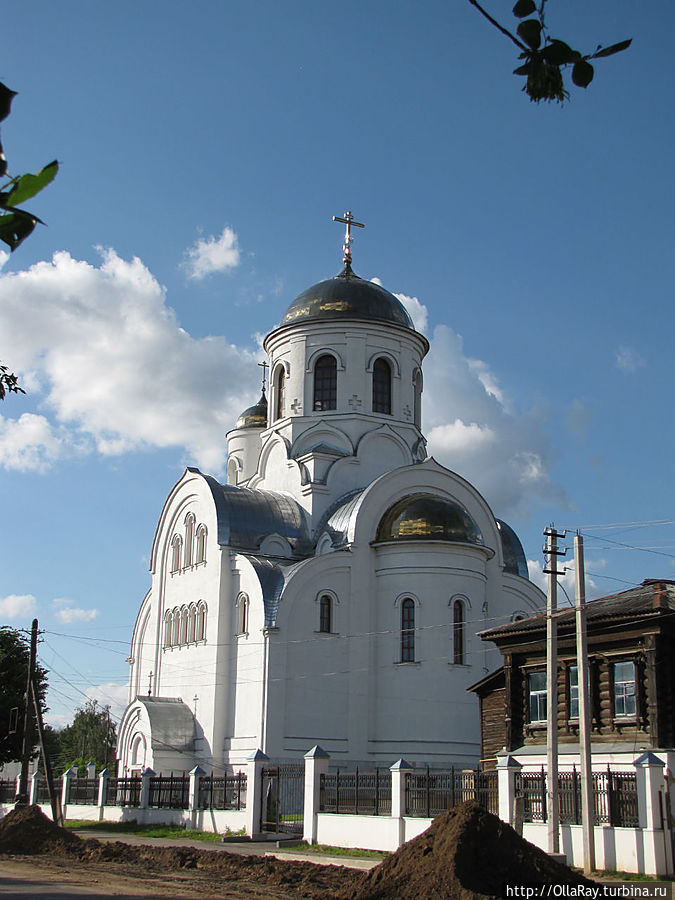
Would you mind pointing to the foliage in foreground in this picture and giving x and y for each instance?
(546, 57)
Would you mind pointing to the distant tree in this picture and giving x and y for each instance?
(16, 224)
(545, 57)
(90, 738)
(14, 656)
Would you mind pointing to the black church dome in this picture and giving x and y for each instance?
(346, 296)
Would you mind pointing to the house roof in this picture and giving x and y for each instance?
(654, 597)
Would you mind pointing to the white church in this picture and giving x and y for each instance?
(331, 591)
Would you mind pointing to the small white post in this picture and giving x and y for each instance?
(34, 787)
(650, 784)
(193, 793)
(256, 763)
(146, 775)
(399, 770)
(91, 769)
(316, 765)
(103, 776)
(507, 769)
(66, 778)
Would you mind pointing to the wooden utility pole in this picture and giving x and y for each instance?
(552, 808)
(22, 797)
(583, 688)
(54, 796)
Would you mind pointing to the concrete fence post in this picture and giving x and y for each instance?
(507, 769)
(34, 787)
(193, 793)
(66, 778)
(91, 770)
(399, 770)
(316, 765)
(146, 775)
(650, 780)
(103, 777)
(256, 763)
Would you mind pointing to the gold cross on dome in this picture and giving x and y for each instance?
(349, 220)
(264, 366)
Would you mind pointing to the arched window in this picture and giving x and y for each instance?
(458, 645)
(201, 621)
(325, 383)
(175, 628)
(417, 389)
(382, 386)
(201, 544)
(192, 623)
(408, 630)
(167, 628)
(280, 394)
(242, 614)
(325, 614)
(189, 538)
(175, 553)
(183, 625)
(137, 755)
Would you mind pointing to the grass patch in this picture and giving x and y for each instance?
(629, 876)
(159, 831)
(343, 851)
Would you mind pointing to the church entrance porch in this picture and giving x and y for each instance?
(283, 798)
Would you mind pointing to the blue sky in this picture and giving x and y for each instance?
(203, 152)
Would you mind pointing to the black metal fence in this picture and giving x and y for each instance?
(7, 790)
(42, 790)
(431, 793)
(227, 792)
(615, 799)
(123, 791)
(172, 792)
(356, 793)
(83, 790)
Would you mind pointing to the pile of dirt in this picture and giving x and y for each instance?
(27, 830)
(466, 854)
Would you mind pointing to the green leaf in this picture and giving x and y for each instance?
(15, 228)
(615, 48)
(6, 97)
(524, 8)
(29, 185)
(558, 53)
(582, 73)
(530, 32)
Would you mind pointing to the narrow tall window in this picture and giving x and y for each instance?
(281, 390)
(325, 383)
(242, 614)
(417, 389)
(573, 691)
(325, 610)
(537, 691)
(175, 628)
(408, 630)
(382, 387)
(201, 621)
(624, 689)
(189, 538)
(201, 544)
(192, 623)
(167, 628)
(175, 553)
(458, 650)
(183, 625)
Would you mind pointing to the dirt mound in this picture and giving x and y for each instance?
(27, 830)
(466, 854)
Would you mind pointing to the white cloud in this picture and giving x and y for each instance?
(568, 580)
(29, 442)
(473, 430)
(119, 373)
(416, 310)
(110, 694)
(72, 614)
(16, 606)
(628, 360)
(213, 254)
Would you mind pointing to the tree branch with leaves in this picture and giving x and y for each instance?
(546, 57)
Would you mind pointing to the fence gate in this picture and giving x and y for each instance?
(283, 798)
